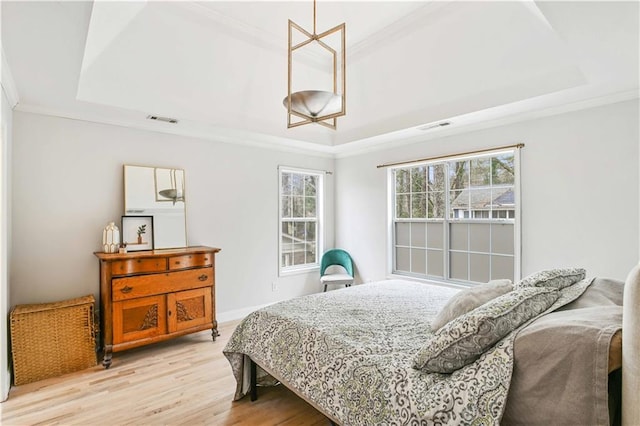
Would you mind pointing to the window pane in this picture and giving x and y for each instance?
(286, 183)
(459, 265)
(480, 172)
(459, 204)
(402, 234)
(502, 169)
(479, 267)
(402, 259)
(418, 179)
(298, 206)
(435, 235)
(502, 238)
(298, 231)
(459, 174)
(418, 206)
(297, 184)
(479, 235)
(479, 199)
(503, 198)
(501, 267)
(402, 181)
(402, 206)
(311, 228)
(418, 261)
(286, 207)
(436, 177)
(436, 205)
(459, 236)
(310, 185)
(435, 263)
(310, 206)
(418, 235)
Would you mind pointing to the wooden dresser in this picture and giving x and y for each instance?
(150, 296)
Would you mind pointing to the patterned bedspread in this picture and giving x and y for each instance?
(349, 353)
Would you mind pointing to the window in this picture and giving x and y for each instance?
(301, 197)
(455, 219)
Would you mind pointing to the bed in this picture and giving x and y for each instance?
(352, 354)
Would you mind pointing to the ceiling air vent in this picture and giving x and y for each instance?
(434, 126)
(165, 119)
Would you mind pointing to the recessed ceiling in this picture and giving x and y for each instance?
(220, 68)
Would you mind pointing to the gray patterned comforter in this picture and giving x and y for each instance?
(349, 353)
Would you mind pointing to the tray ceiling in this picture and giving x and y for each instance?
(220, 67)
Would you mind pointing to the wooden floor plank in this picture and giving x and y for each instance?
(182, 381)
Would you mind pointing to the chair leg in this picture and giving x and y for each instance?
(325, 289)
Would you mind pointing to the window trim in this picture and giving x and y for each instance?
(391, 211)
(320, 195)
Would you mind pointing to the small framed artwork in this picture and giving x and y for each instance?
(137, 232)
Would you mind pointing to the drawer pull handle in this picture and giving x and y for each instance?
(126, 289)
(203, 277)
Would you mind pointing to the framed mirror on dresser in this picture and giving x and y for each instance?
(158, 192)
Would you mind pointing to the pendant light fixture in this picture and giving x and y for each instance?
(317, 106)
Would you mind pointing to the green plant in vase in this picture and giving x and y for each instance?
(142, 229)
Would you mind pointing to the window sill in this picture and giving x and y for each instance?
(431, 281)
(299, 271)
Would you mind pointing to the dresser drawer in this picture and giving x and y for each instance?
(137, 266)
(190, 261)
(147, 285)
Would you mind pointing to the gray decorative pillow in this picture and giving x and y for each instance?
(555, 278)
(469, 299)
(463, 340)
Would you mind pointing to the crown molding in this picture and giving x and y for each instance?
(194, 130)
(8, 83)
(381, 142)
(395, 30)
(485, 119)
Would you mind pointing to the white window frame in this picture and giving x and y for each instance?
(307, 267)
(391, 212)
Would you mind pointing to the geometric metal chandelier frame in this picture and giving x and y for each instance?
(317, 106)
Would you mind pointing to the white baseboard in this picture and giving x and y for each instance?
(238, 313)
(5, 386)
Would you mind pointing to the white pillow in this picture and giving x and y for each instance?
(469, 299)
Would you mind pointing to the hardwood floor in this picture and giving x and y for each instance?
(183, 381)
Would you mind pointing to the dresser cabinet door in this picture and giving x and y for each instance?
(140, 318)
(189, 308)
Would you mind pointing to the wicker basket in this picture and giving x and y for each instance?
(51, 339)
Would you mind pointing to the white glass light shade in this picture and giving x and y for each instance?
(314, 103)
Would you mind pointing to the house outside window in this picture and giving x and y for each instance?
(456, 219)
(301, 199)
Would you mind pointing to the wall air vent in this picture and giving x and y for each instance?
(434, 126)
(165, 119)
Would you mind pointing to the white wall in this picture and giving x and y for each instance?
(68, 184)
(579, 191)
(5, 232)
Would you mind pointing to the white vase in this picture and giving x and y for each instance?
(111, 238)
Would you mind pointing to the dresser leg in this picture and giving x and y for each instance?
(106, 359)
(214, 330)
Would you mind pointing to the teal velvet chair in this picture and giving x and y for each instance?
(336, 257)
